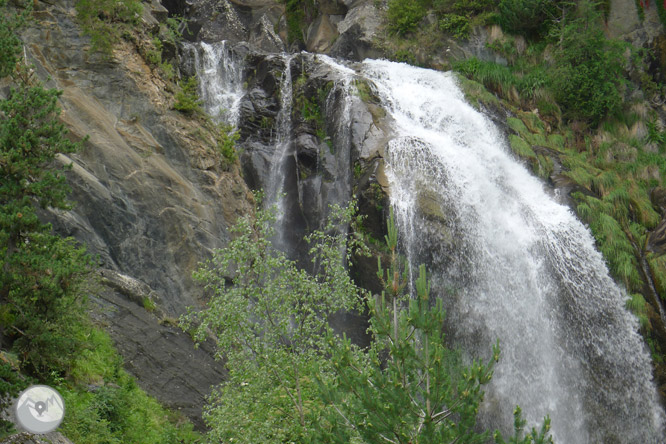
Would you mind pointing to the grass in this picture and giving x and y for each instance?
(104, 21)
(105, 405)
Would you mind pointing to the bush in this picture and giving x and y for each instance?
(404, 15)
(588, 70)
(529, 18)
(226, 144)
(456, 25)
(102, 20)
(187, 99)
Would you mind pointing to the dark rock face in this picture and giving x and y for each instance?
(156, 351)
(340, 28)
(657, 238)
(252, 21)
(330, 130)
(150, 201)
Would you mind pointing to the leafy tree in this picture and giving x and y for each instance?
(267, 317)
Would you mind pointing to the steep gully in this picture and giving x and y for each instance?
(510, 262)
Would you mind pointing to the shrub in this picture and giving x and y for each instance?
(226, 143)
(404, 15)
(530, 18)
(187, 99)
(456, 25)
(102, 20)
(588, 70)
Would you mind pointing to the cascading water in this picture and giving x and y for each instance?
(512, 264)
(276, 180)
(220, 74)
(508, 260)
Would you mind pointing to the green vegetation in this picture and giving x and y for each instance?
(420, 392)
(268, 326)
(187, 98)
(310, 103)
(226, 144)
(45, 333)
(405, 15)
(529, 18)
(105, 20)
(454, 17)
(105, 406)
(588, 74)
(299, 13)
(290, 382)
(40, 274)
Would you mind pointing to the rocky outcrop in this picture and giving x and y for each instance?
(342, 28)
(624, 22)
(258, 22)
(151, 200)
(357, 31)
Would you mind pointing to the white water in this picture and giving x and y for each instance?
(510, 262)
(517, 266)
(220, 75)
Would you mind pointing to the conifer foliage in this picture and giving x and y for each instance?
(409, 388)
(40, 273)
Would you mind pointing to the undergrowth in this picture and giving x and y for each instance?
(105, 405)
(105, 20)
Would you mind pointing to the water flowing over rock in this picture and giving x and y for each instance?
(509, 261)
(152, 201)
(300, 131)
(514, 265)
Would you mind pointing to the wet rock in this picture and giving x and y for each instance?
(255, 22)
(657, 238)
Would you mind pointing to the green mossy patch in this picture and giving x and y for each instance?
(521, 148)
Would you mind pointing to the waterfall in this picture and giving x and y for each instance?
(220, 75)
(512, 264)
(508, 260)
(275, 187)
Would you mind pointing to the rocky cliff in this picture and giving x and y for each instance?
(151, 199)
